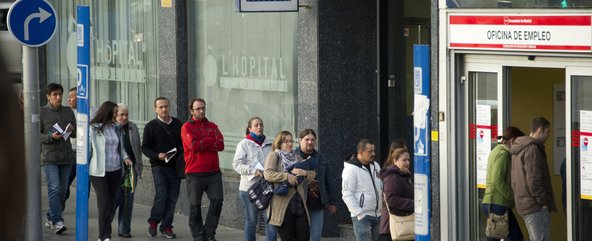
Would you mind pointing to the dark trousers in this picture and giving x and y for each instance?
(212, 186)
(515, 232)
(70, 181)
(106, 188)
(294, 227)
(167, 187)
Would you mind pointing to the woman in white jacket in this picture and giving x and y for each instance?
(248, 162)
(105, 167)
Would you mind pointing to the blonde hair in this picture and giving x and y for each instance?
(280, 137)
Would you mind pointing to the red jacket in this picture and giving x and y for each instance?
(202, 140)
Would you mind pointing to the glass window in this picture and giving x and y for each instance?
(518, 4)
(581, 154)
(243, 65)
(124, 53)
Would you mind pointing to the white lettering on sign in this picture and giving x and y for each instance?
(538, 32)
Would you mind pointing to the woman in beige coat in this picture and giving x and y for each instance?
(288, 213)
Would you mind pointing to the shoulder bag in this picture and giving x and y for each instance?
(401, 227)
(497, 225)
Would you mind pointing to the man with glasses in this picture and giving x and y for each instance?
(202, 140)
(162, 135)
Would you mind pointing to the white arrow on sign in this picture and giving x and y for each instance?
(42, 15)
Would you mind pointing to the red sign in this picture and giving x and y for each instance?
(521, 32)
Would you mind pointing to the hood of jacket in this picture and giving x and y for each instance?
(524, 141)
(353, 159)
(392, 170)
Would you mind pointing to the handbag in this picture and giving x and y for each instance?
(401, 227)
(260, 194)
(497, 225)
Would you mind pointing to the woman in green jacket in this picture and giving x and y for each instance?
(499, 197)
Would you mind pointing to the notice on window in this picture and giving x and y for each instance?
(483, 139)
(586, 154)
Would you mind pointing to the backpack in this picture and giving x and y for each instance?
(260, 194)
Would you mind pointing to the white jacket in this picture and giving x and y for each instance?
(361, 190)
(96, 165)
(247, 155)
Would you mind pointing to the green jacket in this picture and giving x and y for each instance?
(498, 189)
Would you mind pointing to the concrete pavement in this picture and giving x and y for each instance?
(139, 224)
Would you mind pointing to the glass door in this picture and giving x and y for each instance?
(578, 164)
(485, 105)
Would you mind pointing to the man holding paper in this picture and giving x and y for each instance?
(57, 124)
(160, 136)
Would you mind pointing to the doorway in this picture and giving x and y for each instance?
(511, 91)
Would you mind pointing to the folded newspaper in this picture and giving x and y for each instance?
(170, 154)
(64, 132)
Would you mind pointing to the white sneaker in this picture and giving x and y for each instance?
(49, 224)
(60, 227)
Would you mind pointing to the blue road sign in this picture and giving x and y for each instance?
(32, 22)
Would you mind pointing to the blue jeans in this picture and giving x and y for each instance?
(316, 224)
(124, 201)
(515, 232)
(252, 217)
(538, 225)
(167, 186)
(57, 183)
(367, 228)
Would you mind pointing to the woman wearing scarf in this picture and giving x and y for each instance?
(288, 212)
(248, 162)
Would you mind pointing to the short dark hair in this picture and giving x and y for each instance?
(539, 122)
(160, 98)
(51, 87)
(72, 89)
(307, 132)
(190, 105)
(363, 144)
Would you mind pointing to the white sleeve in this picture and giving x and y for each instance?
(240, 162)
(348, 190)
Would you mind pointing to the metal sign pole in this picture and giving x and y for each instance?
(421, 144)
(82, 142)
(32, 145)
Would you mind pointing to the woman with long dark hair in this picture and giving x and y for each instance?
(105, 167)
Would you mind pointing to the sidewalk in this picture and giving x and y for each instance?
(139, 224)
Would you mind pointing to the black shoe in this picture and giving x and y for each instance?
(209, 238)
(125, 235)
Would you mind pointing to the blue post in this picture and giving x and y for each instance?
(82, 120)
(421, 140)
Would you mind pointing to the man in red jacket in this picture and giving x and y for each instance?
(202, 140)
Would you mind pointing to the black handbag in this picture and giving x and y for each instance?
(261, 193)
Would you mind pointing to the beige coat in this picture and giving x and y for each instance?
(275, 174)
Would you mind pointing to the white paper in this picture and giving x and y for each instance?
(586, 154)
(170, 154)
(483, 139)
(258, 166)
(65, 134)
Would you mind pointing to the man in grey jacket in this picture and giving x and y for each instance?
(531, 180)
(57, 156)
